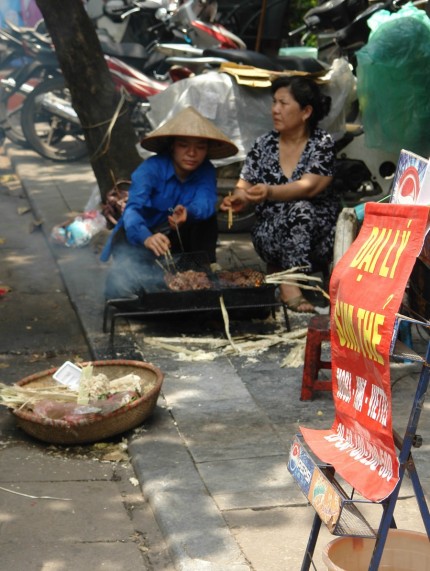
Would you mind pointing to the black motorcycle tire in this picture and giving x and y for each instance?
(49, 134)
(10, 120)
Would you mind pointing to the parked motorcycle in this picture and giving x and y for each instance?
(185, 22)
(138, 21)
(37, 61)
(28, 58)
(52, 127)
(180, 24)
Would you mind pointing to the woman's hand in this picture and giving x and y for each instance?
(158, 243)
(258, 193)
(234, 202)
(178, 216)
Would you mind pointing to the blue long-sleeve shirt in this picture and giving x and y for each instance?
(154, 189)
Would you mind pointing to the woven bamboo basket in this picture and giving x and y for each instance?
(101, 427)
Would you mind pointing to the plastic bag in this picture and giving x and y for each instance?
(78, 232)
(393, 81)
(95, 200)
(341, 87)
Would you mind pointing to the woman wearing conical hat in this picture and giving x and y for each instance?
(172, 201)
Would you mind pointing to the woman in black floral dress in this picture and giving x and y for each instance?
(287, 174)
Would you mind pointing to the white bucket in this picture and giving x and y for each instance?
(403, 551)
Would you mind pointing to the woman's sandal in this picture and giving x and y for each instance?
(294, 304)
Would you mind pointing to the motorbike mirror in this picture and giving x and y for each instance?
(114, 9)
(162, 14)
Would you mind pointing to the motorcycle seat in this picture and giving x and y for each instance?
(256, 59)
(244, 57)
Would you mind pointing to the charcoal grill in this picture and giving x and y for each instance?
(157, 299)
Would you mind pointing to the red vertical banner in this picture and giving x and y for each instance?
(366, 290)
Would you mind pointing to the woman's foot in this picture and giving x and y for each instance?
(293, 299)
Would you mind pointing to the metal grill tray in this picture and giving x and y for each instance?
(206, 298)
(160, 297)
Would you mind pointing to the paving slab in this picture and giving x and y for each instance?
(216, 431)
(214, 381)
(42, 463)
(63, 556)
(276, 538)
(71, 516)
(250, 483)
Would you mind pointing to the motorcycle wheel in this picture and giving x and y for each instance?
(10, 118)
(46, 130)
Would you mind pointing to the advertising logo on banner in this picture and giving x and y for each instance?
(366, 290)
(411, 185)
(408, 178)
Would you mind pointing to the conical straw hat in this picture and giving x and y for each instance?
(189, 123)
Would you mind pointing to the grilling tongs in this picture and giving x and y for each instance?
(172, 211)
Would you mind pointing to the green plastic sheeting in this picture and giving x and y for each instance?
(393, 81)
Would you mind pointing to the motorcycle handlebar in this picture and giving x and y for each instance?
(155, 27)
(128, 13)
(313, 22)
(117, 13)
(309, 25)
(297, 31)
(121, 13)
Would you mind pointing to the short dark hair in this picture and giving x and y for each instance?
(306, 92)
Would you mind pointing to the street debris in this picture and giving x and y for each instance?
(11, 181)
(79, 230)
(35, 224)
(249, 345)
(117, 455)
(296, 356)
(183, 353)
(227, 324)
(35, 497)
(112, 452)
(4, 289)
(294, 276)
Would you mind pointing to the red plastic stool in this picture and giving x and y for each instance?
(318, 331)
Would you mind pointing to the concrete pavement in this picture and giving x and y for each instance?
(60, 508)
(211, 462)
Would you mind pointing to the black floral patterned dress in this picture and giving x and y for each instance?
(290, 234)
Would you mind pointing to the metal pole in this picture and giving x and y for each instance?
(260, 25)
